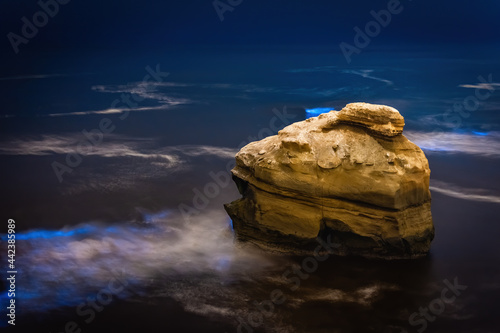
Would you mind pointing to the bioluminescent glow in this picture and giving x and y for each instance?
(317, 111)
(480, 133)
(59, 268)
(48, 234)
(155, 217)
(79, 230)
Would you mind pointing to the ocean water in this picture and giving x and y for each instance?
(115, 170)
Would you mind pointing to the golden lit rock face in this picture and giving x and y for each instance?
(349, 174)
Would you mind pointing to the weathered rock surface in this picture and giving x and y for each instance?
(350, 174)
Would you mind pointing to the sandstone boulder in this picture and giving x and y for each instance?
(349, 175)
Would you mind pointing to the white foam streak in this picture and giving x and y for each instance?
(30, 77)
(466, 143)
(145, 90)
(487, 86)
(367, 75)
(111, 111)
(112, 146)
(458, 192)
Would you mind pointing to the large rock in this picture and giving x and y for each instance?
(348, 175)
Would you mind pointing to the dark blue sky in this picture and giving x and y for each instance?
(130, 24)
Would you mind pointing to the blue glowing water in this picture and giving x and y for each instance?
(314, 112)
(48, 234)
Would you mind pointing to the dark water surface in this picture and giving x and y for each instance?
(110, 246)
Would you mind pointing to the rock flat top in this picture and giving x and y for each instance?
(380, 119)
